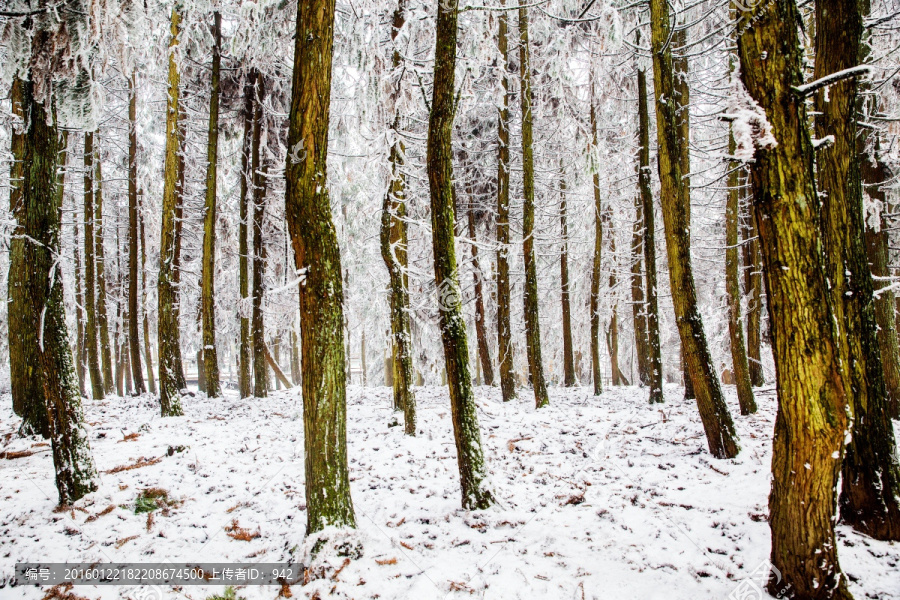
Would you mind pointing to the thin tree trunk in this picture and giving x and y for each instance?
(90, 287)
(170, 369)
(612, 336)
(295, 358)
(317, 256)
(470, 458)
(72, 460)
(596, 271)
(754, 281)
(530, 293)
(484, 353)
(79, 307)
(133, 335)
(568, 350)
(100, 270)
(504, 330)
(148, 353)
(675, 197)
(208, 295)
(638, 303)
(245, 381)
(813, 413)
(870, 494)
(260, 187)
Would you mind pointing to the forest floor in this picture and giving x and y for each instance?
(597, 498)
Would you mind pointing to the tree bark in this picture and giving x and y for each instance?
(594, 302)
(171, 375)
(612, 335)
(754, 281)
(504, 330)
(148, 353)
(100, 270)
(675, 197)
(133, 283)
(317, 257)
(208, 294)
(245, 381)
(870, 494)
(90, 285)
(568, 350)
(530, 293)
(484, 353)
(638, 303)
(72, 460)
(813, 412)
(260, 189)
(79, 303)
(470, 459)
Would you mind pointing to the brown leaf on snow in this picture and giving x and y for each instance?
(141, 462)
(342, 567)
(21, 454)
(511, 444)
(407, 546)
(102, 513)
(386, 561)
(130, 437)
(236, 532)
(123, 541)
(457, 586)
(62, 591)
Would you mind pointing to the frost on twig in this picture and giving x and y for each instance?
(749, 126)
(811, 87)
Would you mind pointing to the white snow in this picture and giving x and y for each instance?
(598, 497)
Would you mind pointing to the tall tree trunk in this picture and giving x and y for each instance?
(27, 391)
(484, 353)
(317, 257)
(394, 240)
(638, 303)
(530, 293)
(168, 334)
(100, 270)
(72, 460)
(470, 459)
(504, 328)
(133, 336)
(79, 306)
(874, 174)
(654, 359)
(90, 286)
(295, 358)
(754, 281)
(245, 381)
(596, 272)
(260, 188)
(675, 197)
(148, 353)
(739, 363)
(208, 296)
(612, 336)
(870, 494)
(813, 413)
(568, 351)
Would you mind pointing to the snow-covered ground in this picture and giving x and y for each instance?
(598, 497)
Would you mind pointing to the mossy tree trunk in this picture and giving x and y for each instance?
(133, 281)
(106, 361)
(469, 455)
(90, 284)
(870, 494)
(568, 350)
(530, 293)
(317, 257)
(72, 460)
(257, 318)
(813, 412)
(504, 328)
(208, 293)
(170, 369)
(596, 273)
(675, 197)
(148, 353)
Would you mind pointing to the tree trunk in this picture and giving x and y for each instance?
(568, 351)
(612, 336)
(870, 494)
(530, 293)
(100, 270)
(317, 257)
(79, 304)
(638, 304)
(754, 281)
(596, 274)
(72, 460)
(25, 384)
(148, 353)
(484, 353)
(245, 381)
(170, 369)
(470, 459)
(208, 295)
(295, 358)
(813, 412)
(654, 359)
(133, 335)
(260, 188)
(740, 367)
(90, 287)
(504, 330)
(675, 197)
(394, 242)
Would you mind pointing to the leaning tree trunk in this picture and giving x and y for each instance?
(813, 412)
(148, 353)
(675, 197)
(25, 383)
(733, 288)
(100, 270)
(208, 294)
(870, 494)
(90, 286)
(394, 244)
(469, 456)
(167, 329)
(133, 337)
(504, 331)
(72, 460)
(317, 257)
(594, 305)
(530, 293)
(484, 353)
(654, 358)
(568, 351)
(245, 381)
